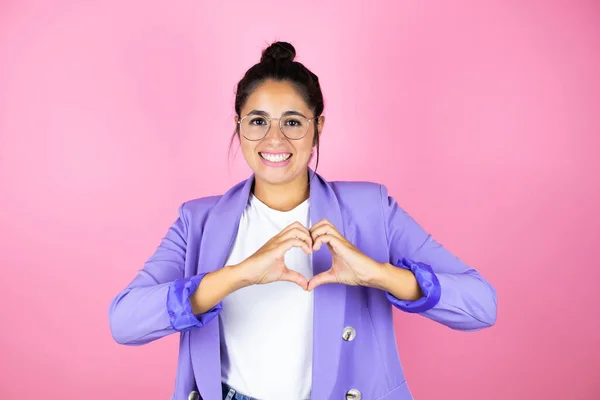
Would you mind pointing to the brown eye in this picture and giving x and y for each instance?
(293, 123)
(258, 121)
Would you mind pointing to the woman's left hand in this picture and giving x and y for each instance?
(349, 265)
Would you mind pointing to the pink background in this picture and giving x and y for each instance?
(482, 119)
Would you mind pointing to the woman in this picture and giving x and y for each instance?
(283, 288)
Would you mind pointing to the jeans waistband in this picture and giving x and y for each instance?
(230, 393)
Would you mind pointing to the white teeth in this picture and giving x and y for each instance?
(275, 157)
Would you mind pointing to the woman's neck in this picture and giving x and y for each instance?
(284, 197)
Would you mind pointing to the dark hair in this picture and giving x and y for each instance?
(277, 63)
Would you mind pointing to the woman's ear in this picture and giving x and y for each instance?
(236, 121)
(320, 125)
(319, 129)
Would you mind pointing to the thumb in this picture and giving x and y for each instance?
(321, 279)
(295, 277)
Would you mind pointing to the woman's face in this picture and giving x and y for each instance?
(276, 159)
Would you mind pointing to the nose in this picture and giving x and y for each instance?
(274, 134)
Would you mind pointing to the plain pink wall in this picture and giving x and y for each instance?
(482, 119)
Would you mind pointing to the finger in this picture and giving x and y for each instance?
(321, 279)
(326, 230)
(293, 242)
(333, 242)
(294, 225)
(320, 223)
(295, 277)
(298, 234)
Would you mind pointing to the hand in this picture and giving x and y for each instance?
(349, 265)
(267, 264)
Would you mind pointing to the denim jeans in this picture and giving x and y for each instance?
(230, 393)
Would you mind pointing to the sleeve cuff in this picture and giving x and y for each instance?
(429, 283)
(180, 309)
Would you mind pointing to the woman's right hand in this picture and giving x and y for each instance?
(267, 264)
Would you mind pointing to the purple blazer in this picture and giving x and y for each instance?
(364, 364)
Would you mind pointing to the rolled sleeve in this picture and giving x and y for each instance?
(428, 282)
(179, 307)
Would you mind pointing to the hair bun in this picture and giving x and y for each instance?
(278, 51)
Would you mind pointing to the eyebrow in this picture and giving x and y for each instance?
(266, 114)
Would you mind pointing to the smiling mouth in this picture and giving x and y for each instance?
(275, 157)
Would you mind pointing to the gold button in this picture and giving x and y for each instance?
(349, 334)
(353, 394)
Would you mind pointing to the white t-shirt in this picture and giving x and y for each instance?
(266, 330)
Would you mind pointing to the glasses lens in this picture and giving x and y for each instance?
(254, 127)
(294, 126)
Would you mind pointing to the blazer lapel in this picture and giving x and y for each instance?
(330, 299)
(219, 233)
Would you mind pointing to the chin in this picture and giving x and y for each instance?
(276, 175)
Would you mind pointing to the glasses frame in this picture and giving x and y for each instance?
(309, 120)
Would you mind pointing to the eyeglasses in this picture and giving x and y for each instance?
(293, 126)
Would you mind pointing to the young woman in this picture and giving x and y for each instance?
(283, 287)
